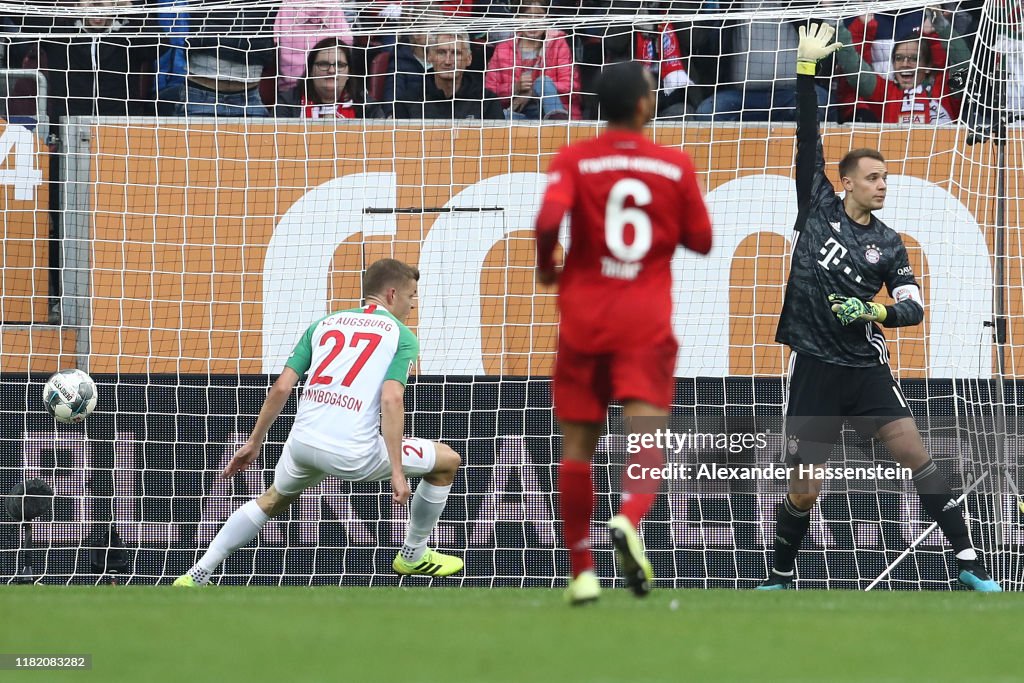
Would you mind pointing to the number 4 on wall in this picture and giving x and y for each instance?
(22, 174)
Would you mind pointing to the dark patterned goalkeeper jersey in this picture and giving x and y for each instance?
(835, 255)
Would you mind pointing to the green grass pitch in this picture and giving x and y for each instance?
(452, 635)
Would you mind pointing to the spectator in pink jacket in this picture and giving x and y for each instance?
(533, 72)
(298, 28)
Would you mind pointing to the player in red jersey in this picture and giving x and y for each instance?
(632, 203)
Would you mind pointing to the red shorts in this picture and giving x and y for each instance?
(585, 383)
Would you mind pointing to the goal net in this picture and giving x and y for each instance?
(188, 186)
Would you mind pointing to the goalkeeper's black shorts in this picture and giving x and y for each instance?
(821, 396)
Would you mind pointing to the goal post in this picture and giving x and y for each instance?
(194, 250)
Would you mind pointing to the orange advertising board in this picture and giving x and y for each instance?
(24, 201)
(215, 245)
(27, 342)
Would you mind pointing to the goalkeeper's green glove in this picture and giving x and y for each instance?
(851, 309)
(814, 46)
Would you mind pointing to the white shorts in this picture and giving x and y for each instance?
(302, 466)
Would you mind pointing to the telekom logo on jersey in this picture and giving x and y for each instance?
(454, 250)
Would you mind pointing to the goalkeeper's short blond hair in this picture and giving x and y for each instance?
(852, 159)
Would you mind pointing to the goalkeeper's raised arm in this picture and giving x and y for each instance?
(812, 185)
(863, 174)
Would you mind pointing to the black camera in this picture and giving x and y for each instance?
(957, 81)
(25, 502)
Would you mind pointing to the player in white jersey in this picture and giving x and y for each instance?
(349, 425)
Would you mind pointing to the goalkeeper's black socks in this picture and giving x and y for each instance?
(791, 525)
(939, 502)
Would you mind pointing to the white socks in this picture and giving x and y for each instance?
(245, 524)
(242, 526)
(426, 508)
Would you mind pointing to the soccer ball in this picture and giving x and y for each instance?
(69, 395)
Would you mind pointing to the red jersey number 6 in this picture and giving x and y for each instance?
(617, 216)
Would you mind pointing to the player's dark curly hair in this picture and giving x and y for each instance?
(619, 88)
(385, 273)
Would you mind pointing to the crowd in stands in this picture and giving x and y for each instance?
(302, 60)
(315, 61)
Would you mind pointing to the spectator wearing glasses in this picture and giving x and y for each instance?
(918, 90)
(328, 88)
(299, 27)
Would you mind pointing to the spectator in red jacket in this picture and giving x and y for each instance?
(863, 34)
(533, 72)
(918, 89)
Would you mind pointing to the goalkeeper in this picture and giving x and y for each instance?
(839, 365)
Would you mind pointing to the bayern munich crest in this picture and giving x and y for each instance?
(872, 255)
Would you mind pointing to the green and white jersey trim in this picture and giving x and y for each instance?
(348, 355)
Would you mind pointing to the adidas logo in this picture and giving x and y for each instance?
(950, 504)
(427, 567)
(836, 225)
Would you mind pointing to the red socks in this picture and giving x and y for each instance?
(576, 503)
(640, 490)
(636, 506)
